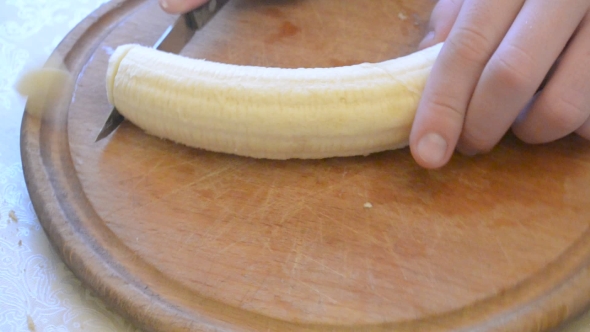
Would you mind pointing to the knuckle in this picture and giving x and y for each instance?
(513, 67)
(468, 43)
(445, 106)
(476, 140)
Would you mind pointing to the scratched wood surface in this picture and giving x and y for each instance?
(179, 239)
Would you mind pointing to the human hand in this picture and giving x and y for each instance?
(180, 6)
(486, 79)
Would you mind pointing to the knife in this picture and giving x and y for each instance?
(172, 40)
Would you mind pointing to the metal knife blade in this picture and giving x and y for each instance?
(172, 40)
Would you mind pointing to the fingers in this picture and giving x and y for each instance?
(516, 70)
(470, 44)
(563, 107)
(442, 19)
(180, 6)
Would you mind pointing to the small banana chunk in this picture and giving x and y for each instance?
(273, 113)
(43, 85)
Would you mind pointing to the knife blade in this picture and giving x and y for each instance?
(173, 40)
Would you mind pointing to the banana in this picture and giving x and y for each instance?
(272, 113)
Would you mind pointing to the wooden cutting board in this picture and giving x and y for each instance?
(179, 239)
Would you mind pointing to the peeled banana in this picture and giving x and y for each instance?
(273, 113)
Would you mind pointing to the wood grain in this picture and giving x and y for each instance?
(179, 239)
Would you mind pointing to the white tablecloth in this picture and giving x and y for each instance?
(37, 291)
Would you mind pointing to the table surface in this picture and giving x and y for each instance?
(37, 291)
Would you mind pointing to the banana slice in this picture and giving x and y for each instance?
(274, 113)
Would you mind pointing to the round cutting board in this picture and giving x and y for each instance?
(179, 239)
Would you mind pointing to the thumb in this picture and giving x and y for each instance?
(180, 6)
(442, 19)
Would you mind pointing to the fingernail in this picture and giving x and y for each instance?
(427, 39)
(173, 6)
(466, 149)
(468, 152)
(432, 149)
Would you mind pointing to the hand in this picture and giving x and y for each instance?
(497, 54)
(180, 6)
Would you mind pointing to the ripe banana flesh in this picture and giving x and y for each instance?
(274, 113)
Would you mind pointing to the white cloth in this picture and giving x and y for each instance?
(37, 291)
